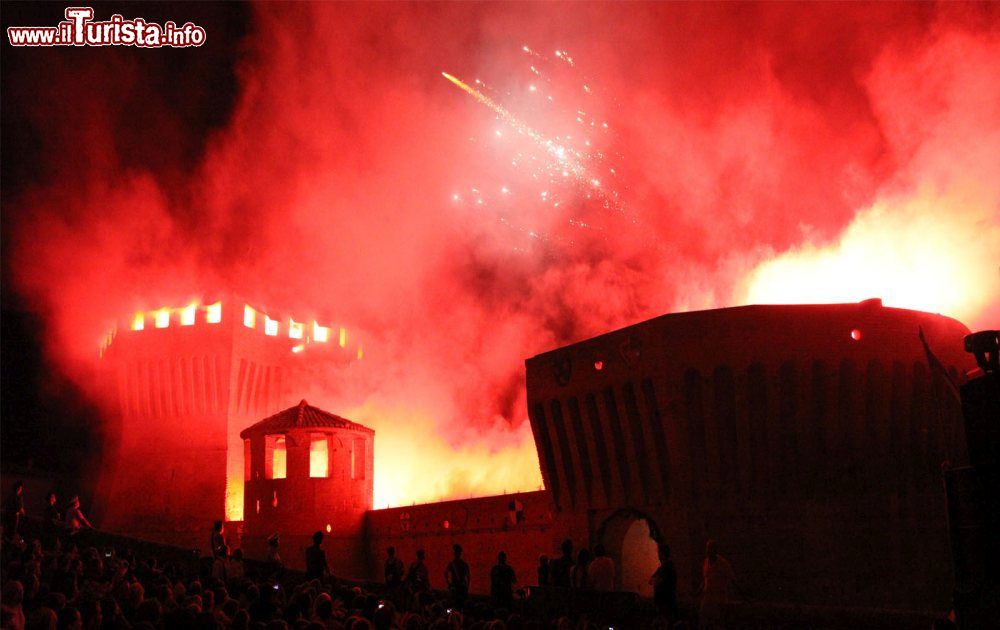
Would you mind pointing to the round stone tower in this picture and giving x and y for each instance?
(308, 470)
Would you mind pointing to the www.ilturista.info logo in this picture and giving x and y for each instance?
(80, 29)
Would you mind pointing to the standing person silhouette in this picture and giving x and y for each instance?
(458, 578)
(502, 581)
(53, 521)
(394, 569)
(664, 582)
(217, 539)
(316, 564)
(560, 568)
(543, 570)
(13, 511)
(580, 575)
(75, 519)
(717, 578)
(417, 577)
(273, 555)
(395, 573)
(602, 570)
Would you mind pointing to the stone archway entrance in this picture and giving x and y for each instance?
(631, 538)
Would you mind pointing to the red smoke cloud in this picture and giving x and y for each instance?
(757, 149)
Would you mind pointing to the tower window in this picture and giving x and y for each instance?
(213, 313)
(320, 333)
(319, 455)
(275, 457)
(270, 326)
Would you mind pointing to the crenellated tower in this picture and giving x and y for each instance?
(187, 381)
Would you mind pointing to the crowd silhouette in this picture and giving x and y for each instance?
(57, 574)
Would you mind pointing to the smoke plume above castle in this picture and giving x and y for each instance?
(653, 158)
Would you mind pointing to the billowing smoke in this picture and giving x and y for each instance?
(760, 153)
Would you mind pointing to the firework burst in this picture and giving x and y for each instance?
(552, 151)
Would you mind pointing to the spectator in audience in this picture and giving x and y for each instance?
(13, 511)
(717, 579)
(602, 570)
(664, 582)
(316, 565)
(502, 581)
(75, 520)
(217, 539)
(561, 567)
(273, 557)
(394, 570)
(235, 569)
(44, 619)
(543, 570)
(220, 565)
(417, 577)
(52, 521)
(580, 575)
(69, 619)
(11, 613)
(457, 577)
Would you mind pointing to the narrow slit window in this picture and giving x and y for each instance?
(246, 459)
(358, 459)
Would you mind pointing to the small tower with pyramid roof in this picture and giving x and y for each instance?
(308, 470)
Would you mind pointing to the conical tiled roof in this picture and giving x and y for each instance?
(301, 416)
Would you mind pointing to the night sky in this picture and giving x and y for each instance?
(46, 420)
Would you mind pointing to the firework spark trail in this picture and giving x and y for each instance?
(568, 158)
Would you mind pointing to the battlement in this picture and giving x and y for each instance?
(303, 334)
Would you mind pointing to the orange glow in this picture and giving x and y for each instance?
(188, 314)
(320, 333)
(927, 253)
(329, 528)
(249, 316)
(270, 326)
(294, 329)
(360, 353)
(319, 456)
(138, 321)
(161, 318)
(234, 499)
(343, 337)
(448, 471)
(213, 313)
